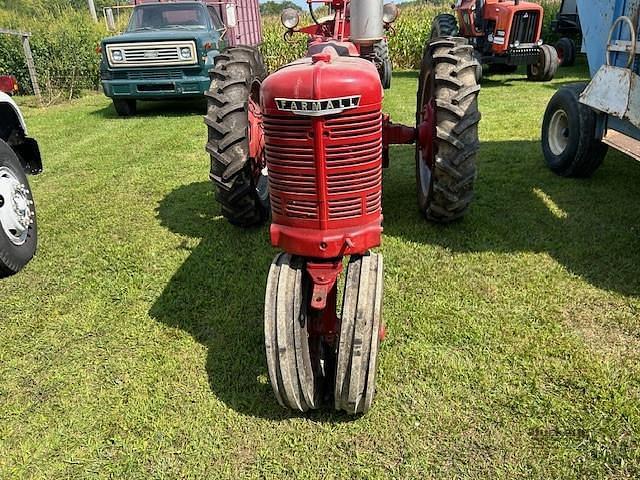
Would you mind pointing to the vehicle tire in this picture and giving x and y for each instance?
(569, 141)
(444, 25)
(382, 61)
(125, 108)
(446, 154)
(18, 228)
(567, 50)
(547, 65)
(239, 179)
(360, 328)
(293, 371)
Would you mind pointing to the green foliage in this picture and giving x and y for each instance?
(276, 8)
(64, 40)
(64, 51)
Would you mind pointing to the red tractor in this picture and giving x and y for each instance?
(307, 145)
(504, 33)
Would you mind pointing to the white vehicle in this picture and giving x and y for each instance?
(19, 155)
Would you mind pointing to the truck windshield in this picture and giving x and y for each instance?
(159, 16)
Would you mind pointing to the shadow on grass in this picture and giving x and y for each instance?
(160, 108)
(590, 226)
(217, 296)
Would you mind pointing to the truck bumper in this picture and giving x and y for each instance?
(152, 89)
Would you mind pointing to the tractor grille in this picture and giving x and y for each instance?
(524, 28)
(352, 158)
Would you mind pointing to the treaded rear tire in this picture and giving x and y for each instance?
(13, 258)
(444, 25)
(583, 153)
(448, 75)
(241, 192)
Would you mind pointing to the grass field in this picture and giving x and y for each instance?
(131, 347)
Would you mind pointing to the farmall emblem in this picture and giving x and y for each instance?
(151, 54)
(317, 108)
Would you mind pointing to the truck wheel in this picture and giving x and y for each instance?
(295, 376)
(567, 50)
(360, 329)
(447, 119)
(235, 136)
(569, 141)
(125, 108)
(444, 25)
(547, 65)
(18, 229)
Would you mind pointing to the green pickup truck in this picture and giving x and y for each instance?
(168, 48)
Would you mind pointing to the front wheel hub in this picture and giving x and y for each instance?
(16, 212)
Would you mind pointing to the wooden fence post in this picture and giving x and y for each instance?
(92, 10)
(32, 67)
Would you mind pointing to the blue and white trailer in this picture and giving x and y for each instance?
(583, 120)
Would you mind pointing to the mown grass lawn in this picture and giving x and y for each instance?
(131, 347)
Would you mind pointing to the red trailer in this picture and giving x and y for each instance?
(242, 18)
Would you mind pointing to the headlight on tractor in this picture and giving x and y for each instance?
(185, 53)
(390, 13)
(290, 18)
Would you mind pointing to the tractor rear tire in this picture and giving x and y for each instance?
(382, 60)
(567, 51)
(360, 329)
(295, 376)
(547, 65)
(240, 181)
(17, 248)
(448, 84)
(444, 25)
(125, 108)
(569, 141)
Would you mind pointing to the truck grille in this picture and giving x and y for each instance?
(352, 158)
(525, 27)
(151, 54)
(149, 75)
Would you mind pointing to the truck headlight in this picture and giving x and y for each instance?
(117, 55)
(290, 18)
(390, 13)
(185, 53)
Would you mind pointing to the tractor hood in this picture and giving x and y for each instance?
(321, 85)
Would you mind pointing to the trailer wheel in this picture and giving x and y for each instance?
(360, 329)
(444, 25)
(18, 229)
(547, 65)
(125, 108)
(235, 142)
(447, 120)
(567, 51)
(569, 141)
(293, 370)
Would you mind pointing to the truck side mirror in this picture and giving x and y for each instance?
(232, 19)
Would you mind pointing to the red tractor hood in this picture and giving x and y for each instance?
(324, 84)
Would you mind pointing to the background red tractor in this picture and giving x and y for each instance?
(307, 145)
(505, 34)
